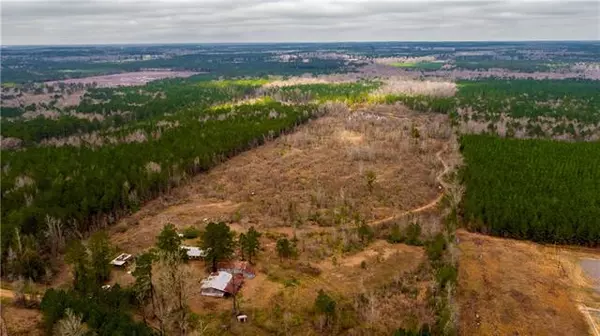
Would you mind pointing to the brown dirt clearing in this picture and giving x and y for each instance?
(511, 287)
(22, 321)
(310, 177)
(125, 79)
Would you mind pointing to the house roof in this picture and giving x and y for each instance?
(218, 281)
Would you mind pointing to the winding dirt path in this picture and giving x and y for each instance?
(429, 205)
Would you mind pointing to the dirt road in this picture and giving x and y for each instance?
(429, 205)
(6, 293)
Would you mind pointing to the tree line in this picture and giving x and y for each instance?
(528, 98)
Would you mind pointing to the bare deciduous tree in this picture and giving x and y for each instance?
(54, 233)
(171, 292)
(70, 325)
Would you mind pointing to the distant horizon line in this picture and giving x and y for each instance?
(285, 42)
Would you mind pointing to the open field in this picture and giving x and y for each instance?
(509, 287)
(125, 79)
(313, 176)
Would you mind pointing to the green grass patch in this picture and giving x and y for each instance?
(419, 65)
(404, 65)
(9, 84)
(345, 92)
(252, 82)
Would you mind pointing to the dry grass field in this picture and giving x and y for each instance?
(21, 321)
(509, 287)
(373, 162)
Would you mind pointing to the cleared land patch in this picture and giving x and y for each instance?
(125, 79)
(371, 163)
(509, 287)
(344, 164)
(21, 321)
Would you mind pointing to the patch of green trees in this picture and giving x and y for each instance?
(128, 107)
(106, 314)
(355, 92)
(525, 98)
(521, 65)
(542, 190)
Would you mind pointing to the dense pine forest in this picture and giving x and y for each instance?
(527, 98)
(542, 190)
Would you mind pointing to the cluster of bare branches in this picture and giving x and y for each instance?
(400, 85)
(172, 288)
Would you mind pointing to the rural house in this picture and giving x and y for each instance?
(220, 284)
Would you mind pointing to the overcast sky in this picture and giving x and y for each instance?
(174, 21)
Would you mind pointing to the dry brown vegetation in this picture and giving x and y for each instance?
(400, 85)
(125, 79)
(316, 176)
(383, 69)
(21, 321)
(509, 287)
(70, 98)
(509, 126)
(392, 60)
(372, 163)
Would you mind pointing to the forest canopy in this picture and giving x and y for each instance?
(542, 190)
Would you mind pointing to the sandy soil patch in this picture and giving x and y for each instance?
(509, 287)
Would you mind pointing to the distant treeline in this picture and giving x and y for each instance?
(16, 70)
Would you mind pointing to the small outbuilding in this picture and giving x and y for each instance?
(220, 284)
(121, 260)
(194, 252)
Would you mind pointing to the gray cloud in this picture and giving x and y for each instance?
(158, 21)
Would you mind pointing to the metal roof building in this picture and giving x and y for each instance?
(121, 260)
(221, 283)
